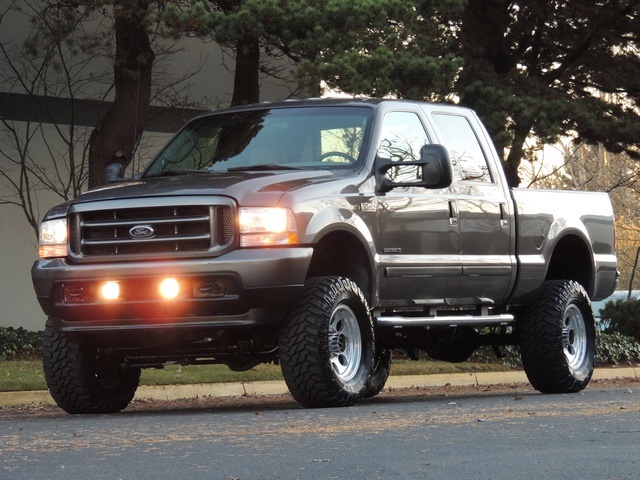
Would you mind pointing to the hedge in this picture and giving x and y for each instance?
(612, 348)
(19, 343)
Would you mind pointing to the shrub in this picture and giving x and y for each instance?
(622, 317)
(613, 348)
(19, 343)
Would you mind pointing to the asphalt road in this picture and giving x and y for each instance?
(429, 434)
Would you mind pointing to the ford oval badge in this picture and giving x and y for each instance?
(142, 231)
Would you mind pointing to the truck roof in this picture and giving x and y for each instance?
(310, 102)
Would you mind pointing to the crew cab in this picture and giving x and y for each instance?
(321, 235)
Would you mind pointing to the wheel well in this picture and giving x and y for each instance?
(571, 260)
(342, 254)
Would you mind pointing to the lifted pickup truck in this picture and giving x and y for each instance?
(320, 235)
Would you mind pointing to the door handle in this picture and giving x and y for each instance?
(453, 213)
(504, 216)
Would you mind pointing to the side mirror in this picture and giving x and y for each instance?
(433, 170)
(114, 173)
(437, 171)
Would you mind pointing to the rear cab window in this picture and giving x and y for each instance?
(467, 157)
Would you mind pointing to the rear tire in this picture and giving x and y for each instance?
(79, 381)
(326, 345)
(557, 338)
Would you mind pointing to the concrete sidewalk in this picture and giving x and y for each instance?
(177, 392)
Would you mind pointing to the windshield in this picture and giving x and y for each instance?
(279, 138)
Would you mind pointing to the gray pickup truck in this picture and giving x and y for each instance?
(321, 235)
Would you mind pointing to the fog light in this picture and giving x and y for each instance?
(110, 290)
(169, 288)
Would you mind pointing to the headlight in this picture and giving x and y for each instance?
(53, 238)
(261, 227)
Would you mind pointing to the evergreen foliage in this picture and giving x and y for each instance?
(530, 69)
(552, 68)
(615, 348)
(541, 69)
(623, 317)
(611, 348)
(18, 343)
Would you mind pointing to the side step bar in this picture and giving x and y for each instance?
(446, 321)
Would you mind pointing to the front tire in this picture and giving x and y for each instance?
(79, 380)
(557, 338)
(327, 344)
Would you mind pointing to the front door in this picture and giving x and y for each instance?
(419, 237)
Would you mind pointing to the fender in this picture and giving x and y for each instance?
(344, 219)
(545, 219)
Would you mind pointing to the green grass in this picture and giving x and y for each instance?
(19, 375)
(22, 375)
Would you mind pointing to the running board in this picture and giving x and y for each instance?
(446, 321)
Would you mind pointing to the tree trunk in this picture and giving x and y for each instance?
(516, 152)
(246, 81)
(118, 132)
(510, 168)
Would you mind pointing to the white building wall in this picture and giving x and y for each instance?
(18, 305)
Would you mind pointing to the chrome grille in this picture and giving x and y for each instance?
(151, 230)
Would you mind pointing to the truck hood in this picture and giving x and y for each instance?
(248, 188)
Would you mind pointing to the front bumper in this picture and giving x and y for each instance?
(256, 284)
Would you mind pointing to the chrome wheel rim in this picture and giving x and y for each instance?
(574, 337)
(345, 343)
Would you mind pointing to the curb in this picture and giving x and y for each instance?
(277, 387)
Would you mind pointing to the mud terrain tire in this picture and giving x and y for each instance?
(327, 344)
(557, 338)
(78, 381)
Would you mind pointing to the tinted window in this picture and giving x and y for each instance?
(467, 157)
(403, 136)
(301, 137)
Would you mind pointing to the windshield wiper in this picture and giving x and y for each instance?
(171, 173)
(264, 166)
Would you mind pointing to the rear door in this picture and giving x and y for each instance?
(487, 237)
